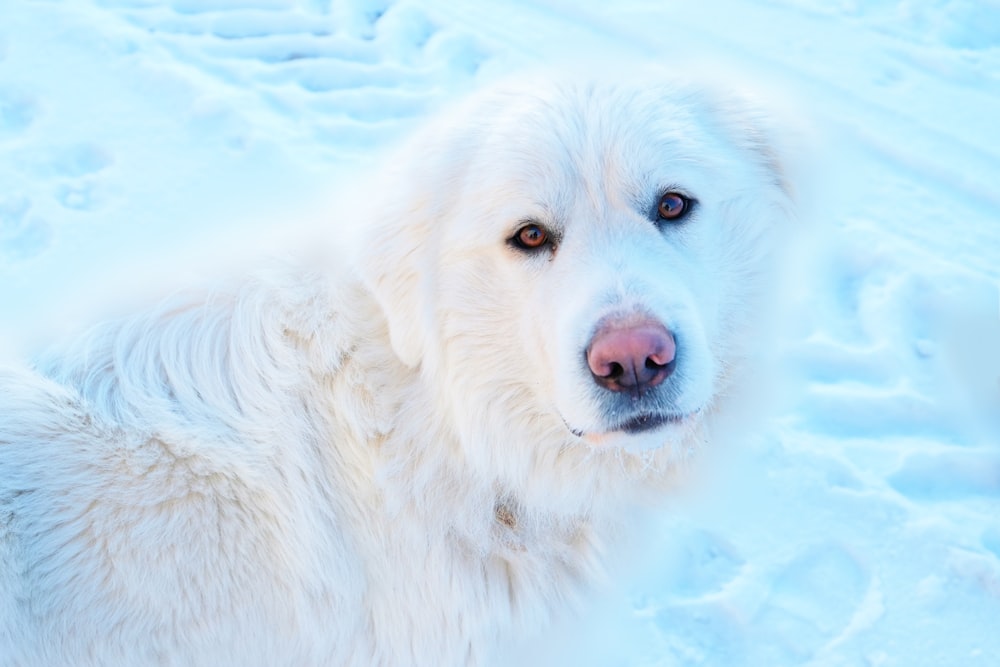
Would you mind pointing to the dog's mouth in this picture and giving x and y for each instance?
(638, 424)
(649, 421)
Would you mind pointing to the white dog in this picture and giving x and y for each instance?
(414, 458)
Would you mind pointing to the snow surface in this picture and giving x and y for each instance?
(861, 526)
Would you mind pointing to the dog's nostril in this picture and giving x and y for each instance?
(615, 371)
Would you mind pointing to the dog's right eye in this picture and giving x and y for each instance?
(673, 207)
(531, 238)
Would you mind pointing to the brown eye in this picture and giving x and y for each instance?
(673, 206)
(531, 237)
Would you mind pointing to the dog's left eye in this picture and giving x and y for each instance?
(531, 237)
(673, 206)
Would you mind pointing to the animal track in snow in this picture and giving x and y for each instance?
(18, 111)
(22, 236)
(949, 475)
(700, 633)
(80, 160)
(697, 563)
(73, 170)
(77, 196)
(812, 601)
(920, 358)
(854, 410)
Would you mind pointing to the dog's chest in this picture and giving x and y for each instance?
(537, 561)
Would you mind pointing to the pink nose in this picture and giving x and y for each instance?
(631, 358)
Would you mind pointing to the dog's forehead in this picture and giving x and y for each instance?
(562, 138)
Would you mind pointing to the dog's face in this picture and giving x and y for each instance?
(581, 259)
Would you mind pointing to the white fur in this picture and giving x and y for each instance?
(405, 461)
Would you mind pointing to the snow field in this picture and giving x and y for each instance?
(860, 526)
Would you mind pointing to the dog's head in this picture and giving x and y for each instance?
(579, 258)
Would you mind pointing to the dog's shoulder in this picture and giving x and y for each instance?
(217, 364)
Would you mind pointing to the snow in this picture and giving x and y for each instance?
(858, 526)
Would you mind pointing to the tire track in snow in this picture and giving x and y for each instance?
(352, 74)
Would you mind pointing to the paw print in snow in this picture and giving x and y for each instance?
(22, 236)
(812, 602)
(18, 111)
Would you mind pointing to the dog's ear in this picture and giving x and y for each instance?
(397, 266)
(398, 259)
(764, 123)
(414, 201)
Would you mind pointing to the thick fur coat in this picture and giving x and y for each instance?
(410, 457)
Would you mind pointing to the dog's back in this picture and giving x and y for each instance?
(143, 516)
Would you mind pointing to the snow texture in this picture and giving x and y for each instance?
(858, 526)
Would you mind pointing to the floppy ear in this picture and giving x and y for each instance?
(416, 197)
(397, 266)
(770, 132)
